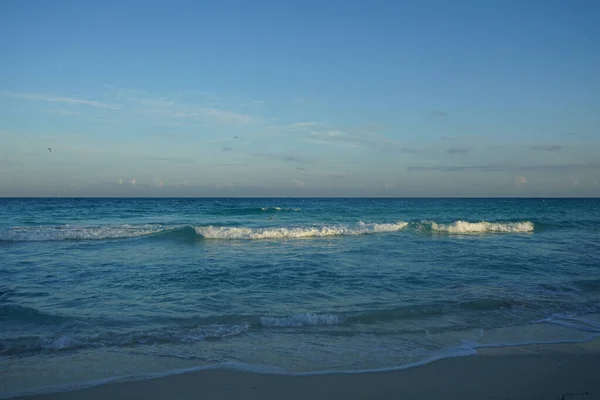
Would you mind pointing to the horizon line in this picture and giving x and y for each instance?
(299, 197)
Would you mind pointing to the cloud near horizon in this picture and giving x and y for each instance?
(457, 151)
(547, 147)
(57, 99)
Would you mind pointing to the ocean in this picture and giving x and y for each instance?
(97, 290)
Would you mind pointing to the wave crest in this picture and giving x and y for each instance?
(463, 227)
(300, 320)
(150, 337)
(279, 209)
(217, 232)
(70, 232)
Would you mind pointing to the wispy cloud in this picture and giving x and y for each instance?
(158, 182)
(552, 147)
(301, 100)
(361, 136)
(226, 149)
(178, 106)
(457, 150)
(328, 134)
(132, 181)
(298, 183)
(286, 157)
(462, 138)
(301, 169)
(171, 160)
(78, 115)
(520, 180)
(57, 99)
(506, 167)
(300, 125)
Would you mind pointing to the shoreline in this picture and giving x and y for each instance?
(542, 371)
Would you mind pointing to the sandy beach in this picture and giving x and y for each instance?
(549, 372)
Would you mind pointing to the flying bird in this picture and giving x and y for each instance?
(49, 149)
(236, 137)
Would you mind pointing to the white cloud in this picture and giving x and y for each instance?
(520, 180)
(329, 134)
(176, 106)
(301, 100)
(132, 181)
(120, 181)
(228, 117)
(299, 125)
(158, 182)
(56, 99)
(298, 183)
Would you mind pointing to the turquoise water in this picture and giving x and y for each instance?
(98, 289)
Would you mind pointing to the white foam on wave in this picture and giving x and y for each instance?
(299, 320)
(215, 232)
(573, 322)
(279, 209)
(149, 337)
(62, 343)
(466, 348)
(70, 232)
(464, 227)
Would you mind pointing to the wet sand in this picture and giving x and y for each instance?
(548, 372)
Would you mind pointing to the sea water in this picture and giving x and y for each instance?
(93, 290)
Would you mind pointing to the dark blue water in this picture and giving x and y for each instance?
(92, 289)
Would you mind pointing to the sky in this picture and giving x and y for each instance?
(300, 98)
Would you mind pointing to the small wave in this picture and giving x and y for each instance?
(252, 210)
(279, 209)
(150, 337)
(299, 320)
(213, 232)
(70, 232)
(574, 322)
(464, 227)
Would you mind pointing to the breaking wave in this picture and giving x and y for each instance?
(464, 227)
(299, 320)
(149, 337)
(192, 231)
(279, 209)
(215, 232)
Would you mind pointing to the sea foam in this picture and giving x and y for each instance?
(214, 232)
(146, 337)
(464, 227)
(299, 320)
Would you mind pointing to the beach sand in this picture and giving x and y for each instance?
(548, 372)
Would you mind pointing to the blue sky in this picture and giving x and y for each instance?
(326, 98)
